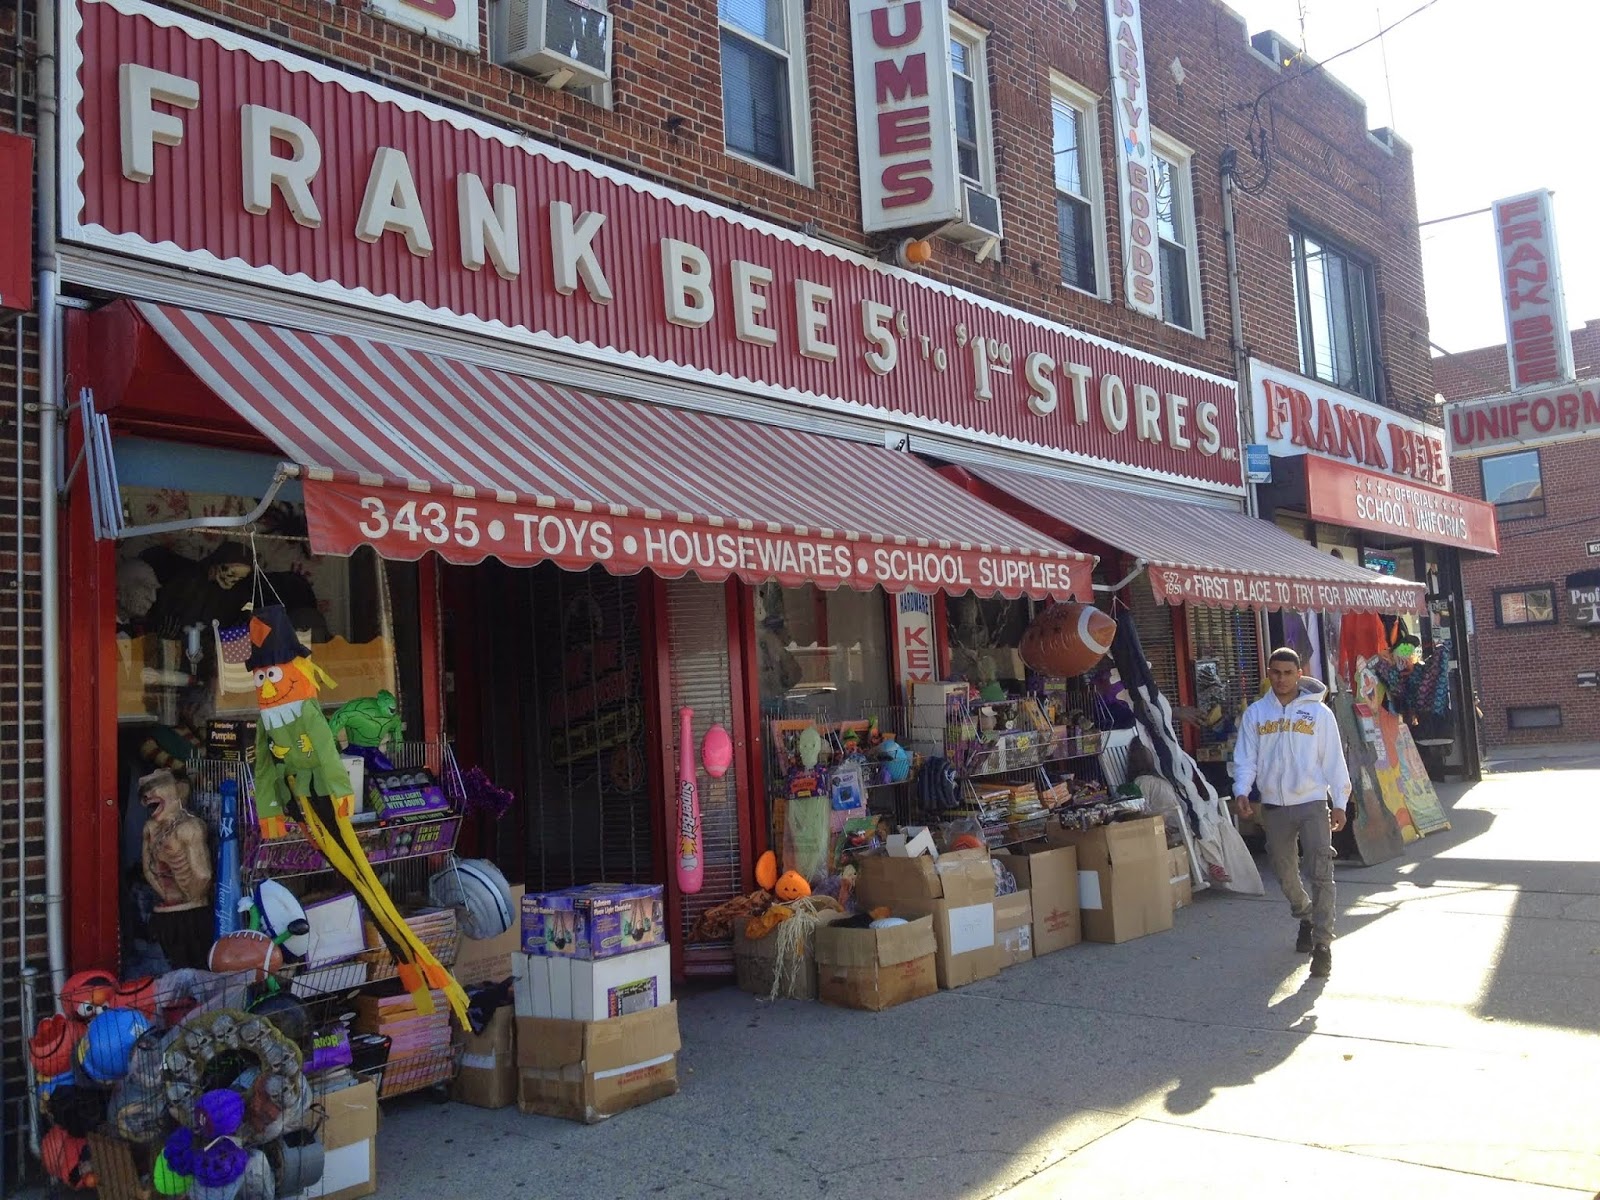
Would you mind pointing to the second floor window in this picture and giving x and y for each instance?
(1180, 275)
(1514, 484)
(763, 92)
(1334, 314)
(1074, 131)
(969, 84)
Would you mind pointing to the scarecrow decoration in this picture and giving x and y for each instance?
(299, 775)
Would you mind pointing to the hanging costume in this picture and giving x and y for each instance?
(299, 774)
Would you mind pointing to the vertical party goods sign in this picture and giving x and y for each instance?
(1136, 186)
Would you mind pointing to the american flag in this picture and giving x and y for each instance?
(235, 642)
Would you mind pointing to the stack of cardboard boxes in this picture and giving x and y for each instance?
(596, 1029)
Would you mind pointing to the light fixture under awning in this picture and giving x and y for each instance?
(1215, 557)
(412, 452)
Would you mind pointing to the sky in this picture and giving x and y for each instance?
(1495, 98)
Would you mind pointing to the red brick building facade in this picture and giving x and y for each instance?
(1527, 655)
(1307, 165)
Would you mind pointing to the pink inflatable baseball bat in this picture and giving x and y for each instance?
(691, 855)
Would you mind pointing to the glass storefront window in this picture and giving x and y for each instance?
(984, 636)
(183, 598)
(822, 652)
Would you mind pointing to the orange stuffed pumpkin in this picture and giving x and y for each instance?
(792, 886)
(767, 871)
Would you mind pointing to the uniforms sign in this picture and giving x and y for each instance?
(1358, 499)
(1565, 412)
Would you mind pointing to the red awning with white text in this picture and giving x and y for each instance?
(1215, 557)
(412, 452)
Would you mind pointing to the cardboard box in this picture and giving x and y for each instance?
(594, 921)
(349, 1138)
(1013, 928)
(488, 960)
(1182, 883)
(487, 1077)
(590, 1070)
(755, 963)
(876, 968)
(1124, 885)
(1050, 875)
(956, 892)
(572, 989)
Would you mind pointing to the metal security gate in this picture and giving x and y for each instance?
(586, 795)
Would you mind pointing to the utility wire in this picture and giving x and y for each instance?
(1318, 66)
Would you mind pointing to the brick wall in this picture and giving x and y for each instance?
(1326, 169)
(21, 815)
(1518, 667)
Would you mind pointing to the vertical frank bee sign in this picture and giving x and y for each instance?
(1136, 184)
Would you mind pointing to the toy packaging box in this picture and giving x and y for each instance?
(597, 920)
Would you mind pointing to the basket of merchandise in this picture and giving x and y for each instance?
(436, 929)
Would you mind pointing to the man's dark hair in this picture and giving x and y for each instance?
(1284, 654)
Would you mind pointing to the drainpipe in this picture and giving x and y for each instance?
(1241, 360)
(49, 433)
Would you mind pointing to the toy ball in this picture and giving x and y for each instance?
(245, 950)
(716, 752)
(1067, 639)
(283, 917)
(87, 992)
(887, 922)
(167, 1181)
(767, 871)
(136, 993)
(51, 1046)
(791, 886)
(287, 1015)
(107, 1045)
(476, 887)
(66, 1159)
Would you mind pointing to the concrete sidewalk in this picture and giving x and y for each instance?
(1452, 1053)
(1542, 756)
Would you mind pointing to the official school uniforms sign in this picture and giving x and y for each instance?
(195, 147)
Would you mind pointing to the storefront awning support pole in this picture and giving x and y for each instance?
(1111, 589)
(45, 77)
(284, 473)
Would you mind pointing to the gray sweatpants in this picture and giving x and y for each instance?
(1289, 827)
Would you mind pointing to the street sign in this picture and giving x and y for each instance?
(1258, 463)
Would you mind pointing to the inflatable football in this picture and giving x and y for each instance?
(1067, 639)
(245, 950)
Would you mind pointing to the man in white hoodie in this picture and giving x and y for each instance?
(1288, 749)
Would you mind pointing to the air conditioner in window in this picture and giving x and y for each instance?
(561, 41)
(979, 226)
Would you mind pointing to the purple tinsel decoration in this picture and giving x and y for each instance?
(220, 1163)
(181, 1156)
(483, 796)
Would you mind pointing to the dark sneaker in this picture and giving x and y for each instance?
(1321, 962)
(1302, 944)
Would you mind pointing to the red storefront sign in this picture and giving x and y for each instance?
(1538, 347)
(1349, 496)
(405, 523)
(1563, 412)
(1231, 589)
(289, 174)
(16, 222)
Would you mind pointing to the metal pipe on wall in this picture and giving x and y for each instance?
(49, 433)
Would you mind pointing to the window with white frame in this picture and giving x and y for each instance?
(969, 86)
(1175, 229)
(764, 114)
(1080, 213)
(1333, 312)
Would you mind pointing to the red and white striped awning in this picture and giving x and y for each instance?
(1216, 557)
(412, 452)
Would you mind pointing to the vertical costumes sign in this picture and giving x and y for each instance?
(1136, 185)
(904, 113)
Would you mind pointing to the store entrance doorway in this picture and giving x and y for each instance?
(549, 690)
